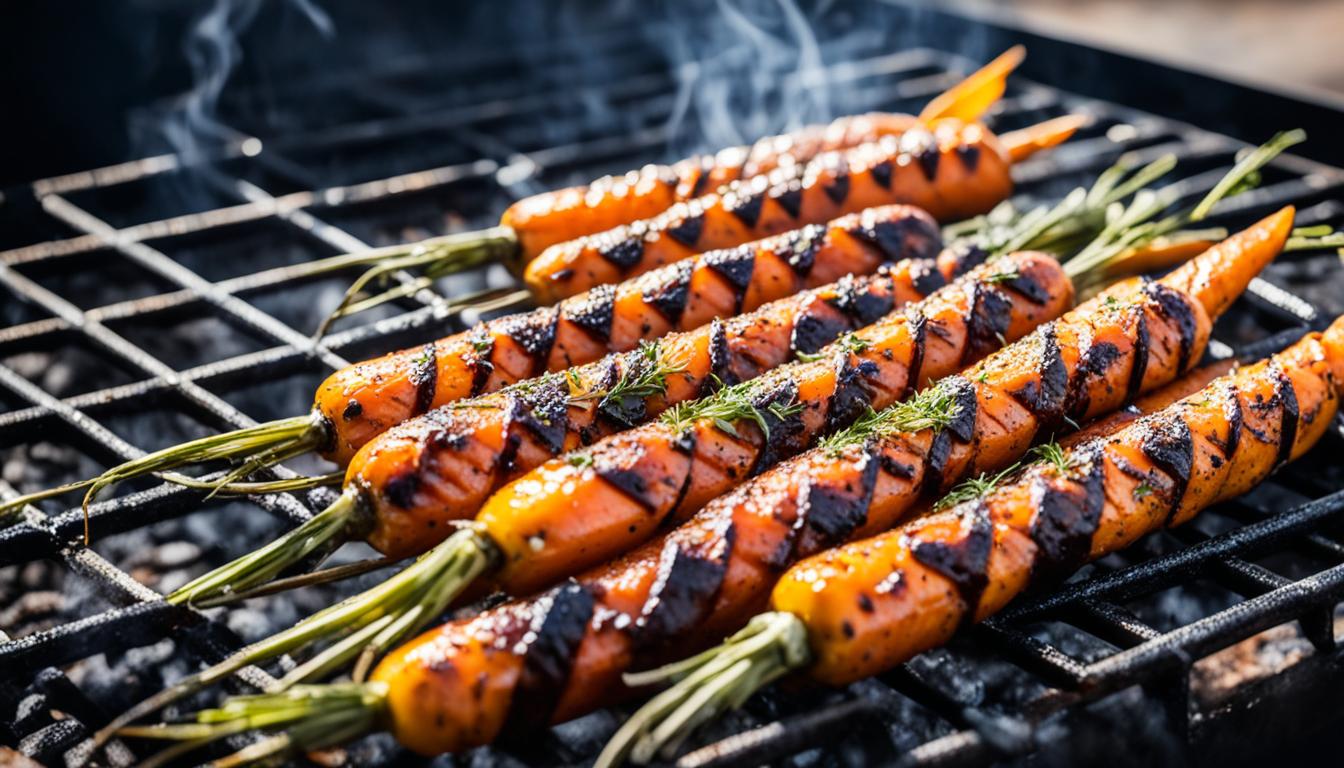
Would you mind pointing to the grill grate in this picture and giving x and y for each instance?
(221, 294)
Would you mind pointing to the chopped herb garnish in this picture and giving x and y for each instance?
(850, 342)
(1142, 490)
(933, 408)
(729, 406)
(1055, 454)
(644, 375)
(1003, 277)
(580, 460)
(974, 488)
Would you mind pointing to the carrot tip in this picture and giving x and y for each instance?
(1026, 142)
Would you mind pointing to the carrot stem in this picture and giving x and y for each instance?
(435, 257)
(706, 685)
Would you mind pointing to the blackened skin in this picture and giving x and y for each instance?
(555, 625)
(838, 189)
(690, 574)
(687, 231)
(746, 206)
(1285, 394)
(593, 312)
(1175, 307)
(991, 312)
(1046, 396)
(534, 332)
(481, 367)
(623, 252)
(1066, 517)
(670, 297)
(735, 266)
(828, 515)
(964, 561)
(425, 377)
(790, 198)
(1169, 445)
(1142, 344)
(544, 410)
(906, 237)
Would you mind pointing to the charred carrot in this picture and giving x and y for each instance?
(951, 169)
(552, 657)
(865, 607)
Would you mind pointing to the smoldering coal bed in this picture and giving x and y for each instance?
(169, 297)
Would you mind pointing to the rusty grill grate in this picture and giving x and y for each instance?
(163, 298)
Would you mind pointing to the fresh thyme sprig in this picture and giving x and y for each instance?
(644, 376)
(729, 406)
(1005, 276)
(850, 342)
(1054, 454)
(934, 408)
(975, 487)
(1130, 228)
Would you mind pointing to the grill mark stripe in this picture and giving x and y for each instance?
(690, 574)
(1235, 418)
(535, 333)
(1045, 397)
(969, 154)
(687, 229)
(987, 322)
(801, 252)
(592, 311)
(838, 189)
(622, 251)
(425, 377)
(1142, 341)
(851, 398)
(784, 436)
(735, 266)
(548, 659)
(919, 334)
(720, 359)
(1167, 442)
(1067, 518)
(828, 516)
(1174, 307)
(1287, 397)
(483, 349)
(965, 563)
(669, 299)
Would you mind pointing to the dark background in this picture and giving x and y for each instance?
(77, 79)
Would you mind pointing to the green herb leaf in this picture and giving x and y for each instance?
(934, 408)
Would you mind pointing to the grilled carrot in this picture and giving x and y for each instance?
(864, 607)
(555, 217)
(559, 654)
(952, 169)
